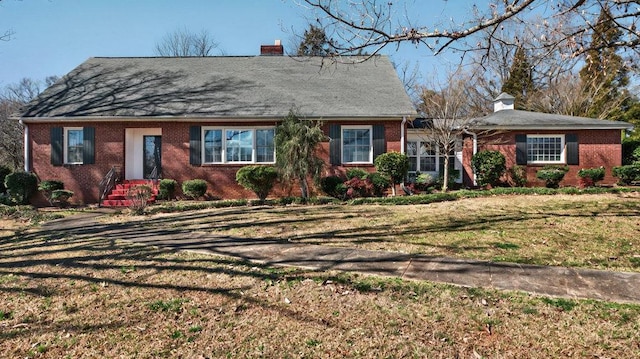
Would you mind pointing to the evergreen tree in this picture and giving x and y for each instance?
(604, 75)
(314, 43)
(520, 82)
(296, 157)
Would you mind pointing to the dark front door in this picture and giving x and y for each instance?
(152, 160)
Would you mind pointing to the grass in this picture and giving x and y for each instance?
(80, 293)
(591, 231)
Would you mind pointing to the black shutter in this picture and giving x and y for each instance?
(379, 145)
(335, 144)
(57, 152)
(573, 154)
(521, 149)
(88, 145)
(195, 145)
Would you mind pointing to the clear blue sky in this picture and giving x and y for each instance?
(54, 36)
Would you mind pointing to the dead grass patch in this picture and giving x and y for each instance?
(84, 296)
(591, 231)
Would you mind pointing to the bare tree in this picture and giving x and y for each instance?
(183, 43)
(450, 114)
(568, 24)
(12, 98)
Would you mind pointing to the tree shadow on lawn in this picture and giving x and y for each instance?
(95, 255)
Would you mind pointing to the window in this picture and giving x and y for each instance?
(422, 156)
(356, 144)
(73, 145)
(425, 158)
(238, 145)
(545, 149)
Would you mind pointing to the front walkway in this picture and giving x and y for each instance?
(543, 280)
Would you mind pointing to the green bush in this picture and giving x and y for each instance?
(552, 175)
(60, 197)
(518, 175)
(394, 165)
(4, 171)
(380, 183)
(356, 173)
(333, 186)
(47, 188)
(167, 188)
(630, 151)
(195, 188)
(488, 167)
(21, 186)
(627, 174)
(591, 176)
(259, 179)
(451, 183)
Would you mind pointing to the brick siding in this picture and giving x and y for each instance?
(83, 179)
(596, 148)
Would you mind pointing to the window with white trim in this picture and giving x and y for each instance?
(545, 149)
(238, 145)
(356, 144)
(73, 145)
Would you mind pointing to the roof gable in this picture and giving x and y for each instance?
(226, 87)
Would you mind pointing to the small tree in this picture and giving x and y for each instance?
(259, 179)
(296, 143)
(395, 165)
(488, 167)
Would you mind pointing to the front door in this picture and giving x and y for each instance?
(151, 163)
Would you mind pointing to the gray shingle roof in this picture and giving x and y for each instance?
(224, 87)
(516, 119)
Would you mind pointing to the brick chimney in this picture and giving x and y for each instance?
(503, 102)
(272, 50)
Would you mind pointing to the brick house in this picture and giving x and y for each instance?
(528, 139)
(205, 117)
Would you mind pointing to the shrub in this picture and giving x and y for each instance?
(356, 173)
(358, 187)
(590, 176)
(488, 166)
(259, 179)
(195, 188)
(48, 187)
(394, 165)
(627, 174)
(453, 176)
(139, 197)
(60, 197)
(380, 183)
(4, 171)
(21, 186)
(552, 175)
(630, 151)
(333, 186)
(167, 189)
(518, 175)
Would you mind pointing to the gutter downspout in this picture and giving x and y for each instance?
(26, 146)
(402, 139)
(475, 148)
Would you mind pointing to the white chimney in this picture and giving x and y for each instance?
(503, 102)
